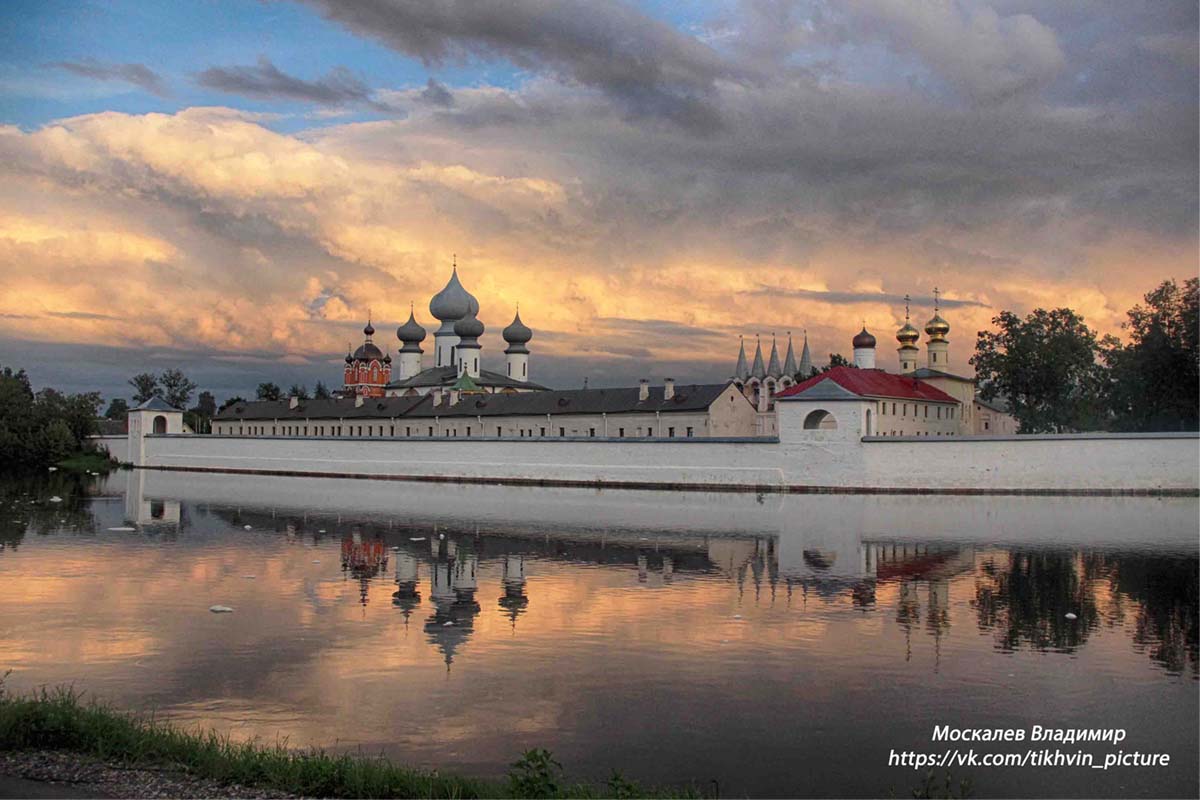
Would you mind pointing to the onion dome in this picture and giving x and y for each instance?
(387, 359)
(411, 332)
(468, 330)
(937, 328)
(349, 358)
(453, 302)
(864, 340)
(517, 334)
(368, 351)
(908, 335)
(369, 330)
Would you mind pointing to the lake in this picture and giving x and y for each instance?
(753, 645)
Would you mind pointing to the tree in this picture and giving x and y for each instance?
(117, 409)
(177, 389)
(206, 404)
(836, 360)
(298, 391)
(321, 391)
(145, 385)
(233, 401)
(1045, 365)
(1154, 381)
(269, 391)
(39, 429)
(200, 416)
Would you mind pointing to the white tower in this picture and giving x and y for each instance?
(468, 330)
(517, 335)
(450, 305)
(937, 346)
(864, 349)
(411, 334)
(908, 336)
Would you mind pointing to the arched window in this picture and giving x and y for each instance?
(820, 420)
(160, 424)
(870, 429)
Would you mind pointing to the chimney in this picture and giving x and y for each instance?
(668, 388)
(358, 400)
(293, 401)
(454, 397)
(643, 390)
(436, 394)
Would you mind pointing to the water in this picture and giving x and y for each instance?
(768, 645)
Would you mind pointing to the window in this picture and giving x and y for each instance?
(690, 431)
(431, 430)
(986, 425)
(671, 432)
(591, 431)
(391, 430)
(524, 367)
(939, 412)
(498, 433)
(408, 430)
(952, 413)
(562, 431)
(468, 430)
(905, 409)
(926, 407)
(620, 433)
(541, 431)
(510, 369)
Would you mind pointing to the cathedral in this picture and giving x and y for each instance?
(456, 354)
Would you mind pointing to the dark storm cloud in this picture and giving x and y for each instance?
(437, 94)
(650, 68)
(137, 74)
(266, 81)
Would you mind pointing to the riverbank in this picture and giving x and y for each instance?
(56, 736)
(88, 461)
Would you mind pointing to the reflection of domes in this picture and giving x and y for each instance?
(453, 302)
(411, 331)
(818, 560)
(908, 334)
(937, 328)
(864, 340)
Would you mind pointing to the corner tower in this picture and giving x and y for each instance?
(517, 336)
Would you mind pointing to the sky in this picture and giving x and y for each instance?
(231, 187)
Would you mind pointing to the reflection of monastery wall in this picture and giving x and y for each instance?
(802, 460)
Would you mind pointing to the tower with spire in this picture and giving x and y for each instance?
(937, 346)
(517, 336)
(908, 336)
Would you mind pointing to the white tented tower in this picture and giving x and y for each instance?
(517, 336)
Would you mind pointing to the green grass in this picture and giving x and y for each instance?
(85, 461)
(61, 720)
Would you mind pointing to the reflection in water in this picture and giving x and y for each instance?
(647, 647)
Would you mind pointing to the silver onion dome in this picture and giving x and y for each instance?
(517, 334)
(453, 302)
(468, 330)
(411, 332)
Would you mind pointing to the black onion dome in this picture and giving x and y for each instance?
(370, 329)
(387, 359)
(517, 332)
(349, 358)
(411, 331)
(368, 351)
(469, 327)
(864, 340)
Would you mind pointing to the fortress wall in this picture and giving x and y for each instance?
(1163, 463)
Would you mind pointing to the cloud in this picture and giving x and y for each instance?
(437, 94)
(265, 81)
(858, 298)
(137, 74)
(650, 68)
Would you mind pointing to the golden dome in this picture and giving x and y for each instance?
(937, 328)
(908, 334)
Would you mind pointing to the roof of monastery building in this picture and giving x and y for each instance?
(445, 376)
(847, 383)
(696, 397)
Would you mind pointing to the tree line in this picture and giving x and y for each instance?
(41, 428)
(1058, 376)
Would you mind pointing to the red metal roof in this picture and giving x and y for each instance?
(873, 383)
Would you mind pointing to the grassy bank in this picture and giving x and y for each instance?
(61, 720)
(88, 461)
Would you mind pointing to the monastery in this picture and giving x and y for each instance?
(454, 397)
